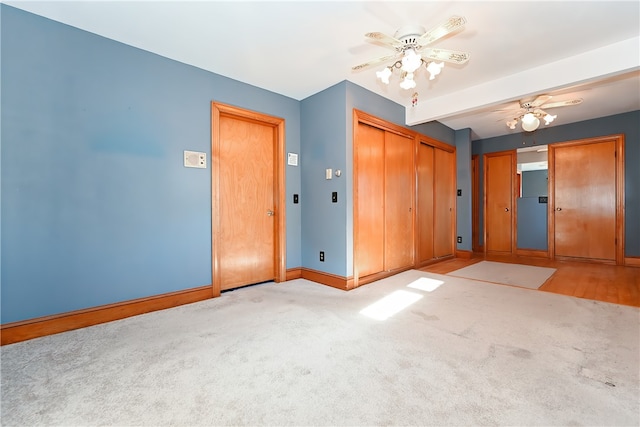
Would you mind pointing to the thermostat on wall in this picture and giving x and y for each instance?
(194, 159)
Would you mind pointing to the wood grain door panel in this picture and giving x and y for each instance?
(444, 200)
(499, 176)
(369, 153)
(585, 200)
(425, 194)
(398, 191)
(475, 202)
(246, 198)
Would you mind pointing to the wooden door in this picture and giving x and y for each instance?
(369, 155)
(584, 205)
(247, 222)
(475, 202)
(444, 201)
(398, 199)
(499, 174)
(425, 202)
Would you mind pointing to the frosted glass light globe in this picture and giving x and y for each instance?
(384, 75)
(530, 122)
(411, 61)
(408, 82)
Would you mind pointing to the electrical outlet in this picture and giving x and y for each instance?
(459, 239)
(334, 197)
(321, 256)
(295, 198)
(459, 192)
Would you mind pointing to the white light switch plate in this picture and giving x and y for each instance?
(328, 174)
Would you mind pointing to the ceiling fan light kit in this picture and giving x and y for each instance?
(530, 122)
(531, 112)
(411, 46)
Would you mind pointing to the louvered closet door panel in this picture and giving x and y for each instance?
(425, 212)
(444, 200)
(369, 152)
(399, 173)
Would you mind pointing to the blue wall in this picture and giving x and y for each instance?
(463, 202)
(626, 124)
(532, 215)
(532, 218)
(96, 204)
(535, 183)
(323, 147)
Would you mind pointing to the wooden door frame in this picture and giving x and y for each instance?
(514, 207)
(619, 178)
(219, 110)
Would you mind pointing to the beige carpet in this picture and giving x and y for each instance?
(524, 276)
(415, 349)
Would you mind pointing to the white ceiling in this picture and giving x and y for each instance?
(518, 49)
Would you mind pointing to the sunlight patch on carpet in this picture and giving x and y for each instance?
(425, 284)
(390, 305)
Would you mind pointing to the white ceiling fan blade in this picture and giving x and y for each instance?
(540, 100)
(446, 56)
(384, 38)
(563, 103)
(450, 25)
(373, 62)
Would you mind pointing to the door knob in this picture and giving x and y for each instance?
(558, 209)
(270, 212)
(506, 209)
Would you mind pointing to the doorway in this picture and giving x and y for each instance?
(532, 188)
(248, 198)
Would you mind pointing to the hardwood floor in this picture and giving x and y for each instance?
(609, 283)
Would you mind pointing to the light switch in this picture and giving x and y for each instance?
(328, 174)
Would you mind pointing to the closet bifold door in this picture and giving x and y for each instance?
(398, 197)
(424, 203)
(435, 201)
(370, 187)
(444, 203)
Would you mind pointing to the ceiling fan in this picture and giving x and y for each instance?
(411, 45)
(530, 112)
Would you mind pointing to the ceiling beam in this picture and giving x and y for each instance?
(608, 61)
